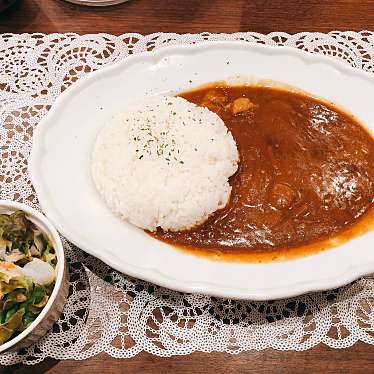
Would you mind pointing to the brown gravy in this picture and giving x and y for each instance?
(305, 180)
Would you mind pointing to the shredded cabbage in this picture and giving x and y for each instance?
(27, 273)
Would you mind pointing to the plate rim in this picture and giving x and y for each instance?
(152, 274)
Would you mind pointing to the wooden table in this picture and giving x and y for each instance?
(147, 16)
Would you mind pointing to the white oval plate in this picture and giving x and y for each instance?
(59, 166)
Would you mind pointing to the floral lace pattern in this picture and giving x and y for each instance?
(110, 312)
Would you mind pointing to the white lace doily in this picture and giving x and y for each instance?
(111, 312)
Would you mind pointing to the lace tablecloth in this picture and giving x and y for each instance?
(113, 313)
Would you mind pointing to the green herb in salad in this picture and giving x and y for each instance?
(27, 273)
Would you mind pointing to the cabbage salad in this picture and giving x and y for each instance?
(27, 273)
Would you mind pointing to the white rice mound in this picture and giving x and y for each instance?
(164, 162)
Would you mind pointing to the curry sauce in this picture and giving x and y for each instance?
(305, 180)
